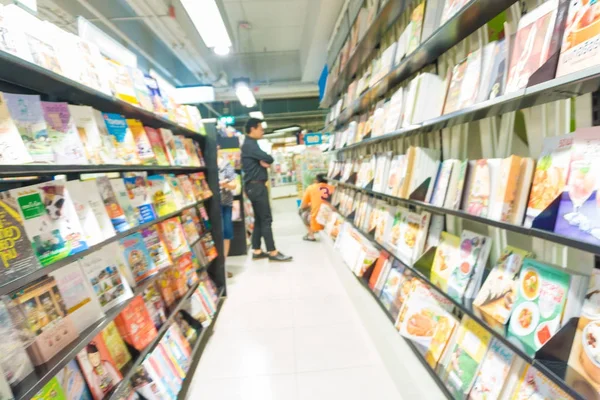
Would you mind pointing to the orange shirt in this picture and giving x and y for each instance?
(314, 195)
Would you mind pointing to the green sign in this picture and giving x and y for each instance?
(227, 120)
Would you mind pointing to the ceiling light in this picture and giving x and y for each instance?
(256, 114)
(244, 93)
(194, 94)
(207, 19)
(289, 129)
(221, 51)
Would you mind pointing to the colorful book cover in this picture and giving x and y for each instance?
(496, 297)
(413, 233)
(441, 185)
(103, 270)
(535, 385)
(155, 306)
(17, 257)
(472, 256)
(493, 372)
(132, 213)
(144, 146)
(139, 198)
(472, 341)
(505, 201)
(540, 301)
(115, 345)
(117, 127)
(89, 134)
(72, 382)
(148, 383)
(77, 294)
(192, 227)
(113, 208)
(162, 195)
(50, 220)
(120, 81)
(98, 367)
(156, 247)
(181, 155)
(135, 325)
(169, 142)
(445, 257)
(187, 188)
(192, 154)
(12, 147)
(165, 371)
(63, 135)
(51, 391)
(416, 20)
(471, 83)
(530, 49)
(137, 257)
(158, 147)
(578, 214)
(172, 234)
(550, 177)
(141, 90)
(176, 189)
(27, 114)
(498, 70)
(110, 152)
(458, 75)
(442, 334)
(482, 187)
(87, 217)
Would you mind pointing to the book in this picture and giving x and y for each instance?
(413, 232)
(17, 257)
(533, 384)
(148, 383)
(446, 256)
(467, 272)
(170, 147)
(156, 247)
(155, 306)
(451, 8)
(441, 338)
(187, 188)
(12, 147)
(494, 81)
(51, 391)
(158, 147)
(382, 166)
(416, 20)
(142, 142)
(132, 214)
(81, 304)
(441, 185)
(137, 258)
(50, 220)
(493, 372)
(482, 188)
(117, 128)
(89, 134)
(497, 295)
(103, 270)
(98, 368)
(178, 197)
(192, 227)
(115, 345)
(72, 382)
(453, 94)
(172, 234)
(472, 341)
(541, 296)
(162, 195)
(521, 196)
(394, 111)
(469, 88)
(550, 176)
(63, 135)
(113, 208)
(530, 49)
(81, 193)
(135, 325)
(27, 114)
(139, 198)
(456, 185)
(181, 154)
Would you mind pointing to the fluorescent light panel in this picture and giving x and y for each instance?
(194, 95)
(256, 114)
(245, 95)
(208, 21)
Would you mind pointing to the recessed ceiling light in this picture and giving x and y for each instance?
(222, 51)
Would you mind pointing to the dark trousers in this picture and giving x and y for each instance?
(259, 197)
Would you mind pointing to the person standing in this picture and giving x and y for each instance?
(254, 165)
(314, 196)
(227, 183)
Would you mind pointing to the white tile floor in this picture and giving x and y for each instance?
(289, 331)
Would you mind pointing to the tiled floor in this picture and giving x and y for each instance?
(289, 331)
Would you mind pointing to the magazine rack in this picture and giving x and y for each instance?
(420, 193)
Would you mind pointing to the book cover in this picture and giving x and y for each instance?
(140, 89)
(169, 142)
(110, 151)
(111, 204)
(493, 372)
(482, 189)
(87, 217)
(497, 295)
(17, 257)
(63, 134)
(142, 142)
(181, 155)
(98, 367)
(550, 177)
(135, 325)
(137, 257)
(473, 253)
(162, 195)
(192, 227)
(89, 134)
(115, 345)
(155, 306)
(498, 70)
(451, 8)
(535, 385)
(540, 300)
(442, 335)
(16, 365)
(469, 88)
(187, 188)
(161, 363)
(172, 234)
(416, 19)
(158, 147)
(117, 128)
(12, 147)
(413, 232)
(452, 98)
(51, 391)
(505, 202)
(441, 186)
(445, 257)
(104, 274)
(139, 198)
(472, 341)
(27, 114)
(192, 153)
(524, 182)
(50, 220)
(148, 383)
(531, 44)
(121, 83)
(178, 197)
(78, 296)
(156, 247)
(131, 213)
(72, 382)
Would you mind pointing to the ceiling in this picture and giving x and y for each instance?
(281, 45)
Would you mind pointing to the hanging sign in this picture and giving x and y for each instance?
(313, 139)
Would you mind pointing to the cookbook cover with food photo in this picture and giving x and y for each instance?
(541, 296)
(445, 256)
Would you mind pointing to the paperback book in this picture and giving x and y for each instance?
(156, 247)
(445, 258)
(117, 127)
(98, 367)
(115, 345)
(113, 208)
(63, 135)
(139, 198)
(142, 142)
(122, 195)
(467, 273)
(12, 146)
(173, 235)
(493, 372)
(158, 147)
(137, 258)
(72, 382)
(162, 195)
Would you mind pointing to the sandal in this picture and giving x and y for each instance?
(309, 239)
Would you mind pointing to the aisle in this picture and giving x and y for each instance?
(289, 331)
